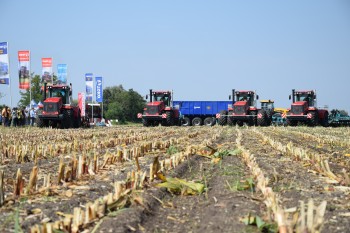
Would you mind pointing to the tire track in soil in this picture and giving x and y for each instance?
(294, 183)
(217, 210)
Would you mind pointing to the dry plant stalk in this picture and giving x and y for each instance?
(61, 168)
(32, 180)
(19, 183)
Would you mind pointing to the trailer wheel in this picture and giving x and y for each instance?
(209, 121)
(262, 121)
(197, 121)
(314, 119)
(169, 118)
(223, 117)
(186, 121)
(145, 122)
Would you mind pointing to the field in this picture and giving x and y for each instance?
(175, 179)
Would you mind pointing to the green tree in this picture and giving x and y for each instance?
(121, 104)
(36, 92)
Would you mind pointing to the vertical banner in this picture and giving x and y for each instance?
(89, 86)
(99, 90)
(62, 73)
(81, 103)
(4, 64)
(46, 75)
(24, 69)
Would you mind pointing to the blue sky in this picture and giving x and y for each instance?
(200, 49)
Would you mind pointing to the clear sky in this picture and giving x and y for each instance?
(199, 48)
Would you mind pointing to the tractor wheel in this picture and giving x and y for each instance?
(65, 122)
(292, 123)
(252, 120)
(313, 121)
(145, 122)
(262, 118)
(77, 122)
(169, 118)
(269, 118)
(70, 122)
(40, 122)
(325, 122)
(186, 121)
(240, 123)
(223, 117)
(230, 119)
(209, 121)
(197, 121)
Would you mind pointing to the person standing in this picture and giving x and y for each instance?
(32, 116)
(14, 117)
(5, 116)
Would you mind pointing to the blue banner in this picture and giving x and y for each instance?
(62, 73)
(89, 86)
(99, 90)
(4, 64)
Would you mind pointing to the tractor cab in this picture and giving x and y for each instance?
(267, 105)
(302, 101)
(243, 101)
(161, 96)
(62, 91)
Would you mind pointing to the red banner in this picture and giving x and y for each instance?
(46, 75)
(81, 103)
(24, 69)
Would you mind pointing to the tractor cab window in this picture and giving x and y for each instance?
(244, 97)
(305, 97)
(163, 98)
(59, 93)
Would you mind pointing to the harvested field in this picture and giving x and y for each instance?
(214, 179)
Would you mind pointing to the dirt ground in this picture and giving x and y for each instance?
(226, 200)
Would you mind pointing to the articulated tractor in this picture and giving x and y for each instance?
(244, 110)
(57, 109)
(304, 110)
(160, 110)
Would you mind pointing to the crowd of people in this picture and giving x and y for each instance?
(17, 117)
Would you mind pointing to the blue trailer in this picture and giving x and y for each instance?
(197, 113)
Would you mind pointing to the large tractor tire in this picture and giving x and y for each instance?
(66, 121)
(145, 122)
(223, 117)
(169, 118)
(197, 121)
(292, 123)
(186, 121)
(269, 114)
(252, 120)
(209, 121)
(262, 118)
(313, 121)
(325, 121)
(39, 122)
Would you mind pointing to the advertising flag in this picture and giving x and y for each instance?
(81, 103)
(24, 69)
(46, 75)
(62, 73)
(89, 86)
(4, 64)
(99, 90)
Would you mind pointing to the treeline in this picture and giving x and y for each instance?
(118, 103)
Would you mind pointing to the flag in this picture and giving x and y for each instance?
(89, 86)
(62, 73)
(46, 75)
(4, 64)
(99, 90)
(81, 103)
(24, 69)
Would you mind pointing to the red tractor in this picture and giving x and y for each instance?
(243, 110)
(160, 110)
(304, 109)
(57, 110)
